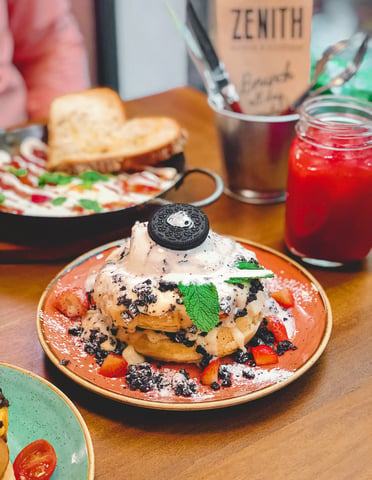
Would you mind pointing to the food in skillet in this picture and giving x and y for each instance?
(96, 160)
(178, 292)
(37, 460)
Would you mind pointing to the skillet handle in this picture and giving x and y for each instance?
(219, 186)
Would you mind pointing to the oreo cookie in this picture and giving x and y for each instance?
(178, 226)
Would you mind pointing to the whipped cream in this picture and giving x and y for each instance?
(215, 258)
(145, 274)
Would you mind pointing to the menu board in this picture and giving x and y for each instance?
(265, 46)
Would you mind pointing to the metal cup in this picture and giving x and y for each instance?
(255, 151)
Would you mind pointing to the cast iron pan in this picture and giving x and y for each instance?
(40, 230)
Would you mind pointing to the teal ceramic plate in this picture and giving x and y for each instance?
(39, 410)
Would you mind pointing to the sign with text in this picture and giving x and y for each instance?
(265, 46)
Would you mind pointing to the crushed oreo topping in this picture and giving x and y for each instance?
(241, 357)
(4, 402)
(225, 375)
(284, 346)
(183, 385)
(180, 337)
(167, 286)
(92, 346)
(263, 337)
(75, 331)
(215, 386)
(142, 377)
(206, 359)
(249, 374)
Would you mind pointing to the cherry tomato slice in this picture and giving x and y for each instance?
(37, 460)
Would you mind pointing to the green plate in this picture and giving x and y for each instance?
(39, 410)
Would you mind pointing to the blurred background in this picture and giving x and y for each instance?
(135, 48)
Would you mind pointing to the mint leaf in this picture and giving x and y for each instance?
(201, 303)
(92, 177)
(18, 172)
(243, 265)
(90, 205)
(246, 280)
(58, 201)
(54, 178)
(242, 280)
(2, 198)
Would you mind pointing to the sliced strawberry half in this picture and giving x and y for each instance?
(210, 373)
(113, 366)
(264, 355)
(284, 297)
(72, 302)
(277, 327)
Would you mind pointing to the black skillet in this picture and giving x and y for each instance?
(41, 230)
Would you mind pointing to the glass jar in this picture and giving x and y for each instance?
(329, 186)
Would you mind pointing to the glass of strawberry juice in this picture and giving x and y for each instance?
(329, 185)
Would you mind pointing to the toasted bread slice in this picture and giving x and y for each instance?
(89, 131)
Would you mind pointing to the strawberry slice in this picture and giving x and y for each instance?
(210, 373)
(264, 355)
(277, 327)
(113, 366)
(284, 297)
(72, 302)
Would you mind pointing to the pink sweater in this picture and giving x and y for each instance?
(42, 55)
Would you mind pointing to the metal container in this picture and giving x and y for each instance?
(255, 152)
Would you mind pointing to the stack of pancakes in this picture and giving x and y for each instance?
(136, 292)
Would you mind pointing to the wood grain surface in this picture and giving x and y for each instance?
(320, 426)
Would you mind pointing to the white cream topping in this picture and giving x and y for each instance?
(214, 258)
(143, 266)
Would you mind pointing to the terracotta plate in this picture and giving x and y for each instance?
(310, 333)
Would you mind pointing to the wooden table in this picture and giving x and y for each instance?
(320, 426)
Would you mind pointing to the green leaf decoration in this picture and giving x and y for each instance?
(18, 172)
(90, 205)
(246, 280)
(242, 265)
(58, 201)
(2, 198)
(93, 177)
(242, 280)
(202, 304)
(54, 178)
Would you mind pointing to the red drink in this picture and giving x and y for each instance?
(329, 188)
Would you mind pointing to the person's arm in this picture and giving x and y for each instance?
(48, 51)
